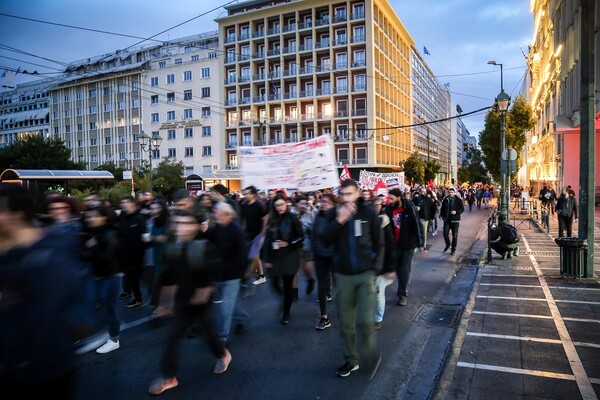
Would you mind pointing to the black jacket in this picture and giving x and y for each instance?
(425, 207)
(287, 229)
(411, 231)
(319, 228)
(369, 244)
(230, 242)
(457, 206)
(104, 255)
(566, 206)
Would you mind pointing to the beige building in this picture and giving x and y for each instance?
(296, 70)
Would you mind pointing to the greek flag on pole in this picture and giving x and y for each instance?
(425, 51)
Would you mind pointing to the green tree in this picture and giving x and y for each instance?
(167, 177)
(432, 167)
(519, 119)
(37, 152)
(474, 169)
(414, 168)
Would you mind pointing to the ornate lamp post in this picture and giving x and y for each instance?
(502, 102)
(150, 144)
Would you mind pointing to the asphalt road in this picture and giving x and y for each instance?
(274, 361)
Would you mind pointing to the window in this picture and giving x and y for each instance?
(172, 152)
(93, 109)
(187, 95)
(155, 117)
(107, 107)
(154, 81)
(189, 152)
(189, 133)
(360, 155)
(93, 141)
(170, 115)
(156, 154)
(121, 105)
(195, 58)
(55, 114)
(162, 64)
(187, 75)
(206, 111)
(92, 93)
(170, 78)
(178, 61)
(135, 103)
(154, 99)
(212, 54)
(67, 128)
(136, 155)
(121, 88)
(171, 134)
(107, 140)
(67, 97)
(136, 137)
(121, 138)
(122, 156)
(79, 127)
(206, 92)
(187, 113)
(206, 150)
(67, 113)
(79, 142)
(206, 72)
(106, 91)
(79, 96)
(206, 131)
(135, 85)
(94, 158)
(170, 97)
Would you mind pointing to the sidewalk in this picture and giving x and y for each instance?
(527, 332)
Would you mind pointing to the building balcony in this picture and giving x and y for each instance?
(259, 99)
(340, 42)
(291, 140)
(361, 136)
(245, 100)
(258, 54)
(230, 59)
(290, 95)
(230, 81)
(244, 57)
(289, 28)
(290, 72)
(360, 161)
(291, 49)
(305, 47)
(322, 21)
(305, 70)
(358, 39)
(307, 117)
(341, 138)
(232, 166)
(244, 36)
(245, 78)
(231, 145)
(231, 102)
(273, 97)
(341, 90)
(341, 114)
(258, 77)
(307, 93)
(323, 92)
(229, 39)
(359, 88)
(340, 65)
(305, 25)
(323, 44)
(273, 31)
(273, 52)
(339, 18)
(358, 64)
(360, 112)
(258, 34)
(275, 141)
(358, 15)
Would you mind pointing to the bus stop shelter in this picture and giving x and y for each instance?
(39, 180)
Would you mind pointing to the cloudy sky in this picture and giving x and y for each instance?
(460, 35)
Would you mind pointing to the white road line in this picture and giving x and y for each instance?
(543, 374)
(511, 275)
(581, 377)
(529, 339)
(509, 284)
(536, 299)
(572, 288)
(595, 321)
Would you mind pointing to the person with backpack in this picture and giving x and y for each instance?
(505, 238)
(566, 208)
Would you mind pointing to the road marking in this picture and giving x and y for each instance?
(581, 377)
(509, 284)
(595, 321)
(529, 339)
(536, 299)
(511, 275)
(520, 371)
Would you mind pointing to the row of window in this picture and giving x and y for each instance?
(187, 95)
(186, 77)
(135, 103)
(187, 114)
(189, 133)
(189, 152)
(194, 58)
(93, 93)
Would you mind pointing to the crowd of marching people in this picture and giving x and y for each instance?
(192, 258)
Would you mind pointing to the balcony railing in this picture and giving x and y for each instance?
(340, 41)
(245, 100)
(341, 138)
(230, 81)
(359, 112)
(305, 47)
(360, 161)
(305, 25)
(258, 77)
(324, 44)
(359, 88)
(258, 54)
(259, 99)
(259, 33)
(358, 39)
(230, 102)
(273, 52)
(231, 145)
(322, 21)
(289, 28)
(273, 31)
(341, 90)
(340, 114)
(360, 63)
(323, 92)
(230, 59)
(244, 36)
(358, 15)
(290, 95)
(290, 49)
(339, 18)
(307, 93)
(229, 39)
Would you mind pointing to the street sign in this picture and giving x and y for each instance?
(126, 175)
(509, 154)
(512, 166)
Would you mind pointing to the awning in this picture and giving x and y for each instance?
(565, 125)
(222, 175)
(21, 174)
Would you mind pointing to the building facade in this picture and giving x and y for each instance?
(296, 70)
(24, 111)
(554, 62)
(431, 102)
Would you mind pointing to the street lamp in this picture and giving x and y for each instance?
(502, 102)
(149, 144)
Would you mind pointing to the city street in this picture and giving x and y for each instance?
(274, 361)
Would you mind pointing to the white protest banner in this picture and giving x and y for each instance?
(306, 166)
(369, 179)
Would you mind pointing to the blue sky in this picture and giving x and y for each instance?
(461, 36)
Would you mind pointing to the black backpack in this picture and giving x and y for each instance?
(508, 234)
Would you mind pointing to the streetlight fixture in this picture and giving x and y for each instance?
(149, 144)
(503, 102)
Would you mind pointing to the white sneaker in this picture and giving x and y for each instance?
(108, 347)
(260, 280)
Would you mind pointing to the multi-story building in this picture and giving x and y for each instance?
(554, 61)
(101, 105)
(431, 102)
(24, 111)
(296, 70)
(181, 102)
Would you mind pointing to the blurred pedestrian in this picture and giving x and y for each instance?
(566, 209)
(452, 208)
(355, 232)
(43, 307)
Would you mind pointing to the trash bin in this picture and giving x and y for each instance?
(573, 256)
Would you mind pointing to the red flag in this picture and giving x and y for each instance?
(345, 174)
(380, 188)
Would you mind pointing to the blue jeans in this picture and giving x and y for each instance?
(228, 308)
(107, 293)
(381, 282)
